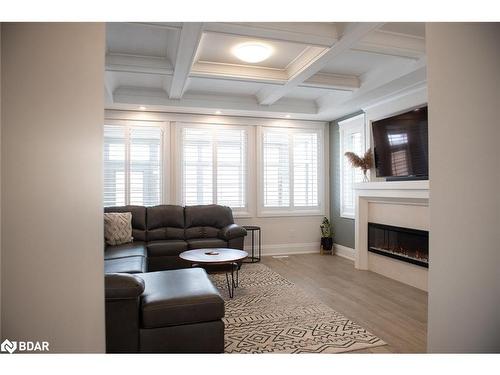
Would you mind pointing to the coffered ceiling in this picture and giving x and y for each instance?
(316, 71)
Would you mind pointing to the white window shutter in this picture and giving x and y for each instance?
(231, 151)
(197, 166)
(132, 165)
(352, 138)
(114, 165)
(145, 166)
(214, 165)
(305, 169)
(276, 168)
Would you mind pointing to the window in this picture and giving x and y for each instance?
(290, 170)
(352, 138)
(214, 165)
(132, 165)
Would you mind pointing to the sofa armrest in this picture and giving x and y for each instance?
(123, 286)
(232, 231)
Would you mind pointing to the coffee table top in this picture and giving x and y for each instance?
(214, 255)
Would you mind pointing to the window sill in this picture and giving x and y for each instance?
(345, 216)
(242, 214)
(278, 213)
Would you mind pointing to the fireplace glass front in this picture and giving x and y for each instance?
(405, 244)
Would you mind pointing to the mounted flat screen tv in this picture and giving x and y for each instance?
(401, 146)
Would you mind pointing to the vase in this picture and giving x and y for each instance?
(365, 177)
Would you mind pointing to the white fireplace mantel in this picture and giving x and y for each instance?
(394, 192)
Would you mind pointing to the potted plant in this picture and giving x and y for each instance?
(326, 235)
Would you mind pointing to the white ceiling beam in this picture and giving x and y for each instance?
(393, 44)
(317, 34)
(155, 98)
(159, 25)
(186, 51)
(138, 64)
(352, 35)
(306, 58)
(333, 82)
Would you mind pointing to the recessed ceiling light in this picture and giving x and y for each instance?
(252, 52)
(288, 116)
(142, 108)
(218, 112)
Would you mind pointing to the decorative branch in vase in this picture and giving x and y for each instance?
(365, 162)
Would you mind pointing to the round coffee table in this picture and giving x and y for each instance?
(217, 260)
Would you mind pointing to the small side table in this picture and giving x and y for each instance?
(252, 229)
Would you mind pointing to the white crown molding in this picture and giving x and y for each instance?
(322, 34)
(116, 62)
(333, 81)
(158, 100)
(123, 115)
(394, 44)
(205, 69)
(159, 25)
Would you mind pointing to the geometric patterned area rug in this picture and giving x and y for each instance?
(270, 314)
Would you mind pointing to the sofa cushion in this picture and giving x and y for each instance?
(138, 219)
(136, 248)
(179, 297)
(117, 228)
(202, 232)
(210, 215)
(206, 243)
(205, 221)
(167, 247)
(165, 222)
(169, 262)
(135, 264)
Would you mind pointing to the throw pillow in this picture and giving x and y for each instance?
(118, 228)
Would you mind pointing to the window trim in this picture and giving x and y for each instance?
(263, 211)
(238, 212)
(348, 125)
(165, 157)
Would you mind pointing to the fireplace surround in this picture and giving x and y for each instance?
(397, 203)
(405, 244)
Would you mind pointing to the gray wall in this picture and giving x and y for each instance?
(343, 228)
(52, 243)
(464, 131)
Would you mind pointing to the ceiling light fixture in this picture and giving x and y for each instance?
(288, 116)
(252, 52)
(142, 108)
(218, 112)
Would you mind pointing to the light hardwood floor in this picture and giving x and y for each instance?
(395, 312)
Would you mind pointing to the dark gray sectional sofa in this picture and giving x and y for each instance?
(161, 233)
(154, 302)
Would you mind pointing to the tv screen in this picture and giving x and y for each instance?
(401, 145)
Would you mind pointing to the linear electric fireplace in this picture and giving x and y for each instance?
(408, 245)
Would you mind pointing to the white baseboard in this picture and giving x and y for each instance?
(302, 248)
(287, 249)
(345, 252)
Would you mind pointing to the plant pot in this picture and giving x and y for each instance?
(327, 243)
